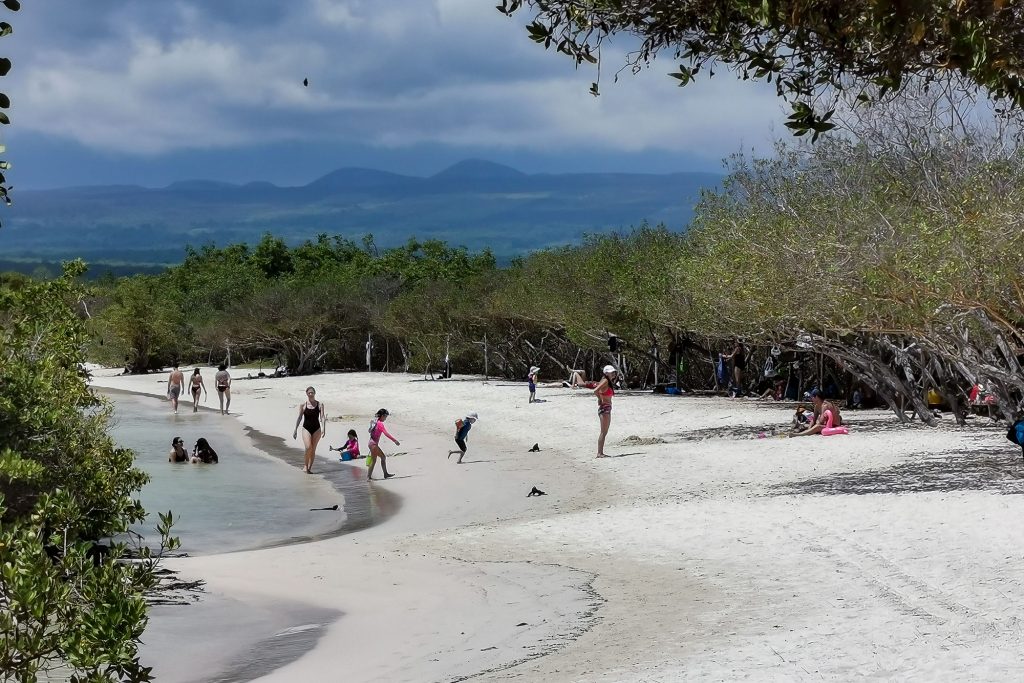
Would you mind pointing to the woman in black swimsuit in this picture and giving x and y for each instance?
(314, 426)
(178, 452)
(739, 364)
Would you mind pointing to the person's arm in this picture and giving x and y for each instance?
(323, 420)
(202, 385)
(170, 456)
(385, 432)
(601, 386)
(298, 421)
(458, 427)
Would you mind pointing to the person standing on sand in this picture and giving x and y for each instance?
(222, 380)
(462, 428)
(532, 379)
(739, 364)
(604, 393)
(377, 430)
(196, 387)
(174, 385)
(311, 416)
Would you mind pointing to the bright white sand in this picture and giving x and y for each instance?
(898, 556)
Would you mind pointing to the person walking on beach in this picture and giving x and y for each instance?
(604, 393)
(196, 386)
(222, 380)
(377, 430)
(178, 452)
(532, 379)
(462, 428)
(313, 419)
(175, 383)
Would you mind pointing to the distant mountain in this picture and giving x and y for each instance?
(474, 203)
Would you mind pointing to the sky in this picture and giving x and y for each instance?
(133, 92)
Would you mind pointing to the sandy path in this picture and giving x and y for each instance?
(890, 553)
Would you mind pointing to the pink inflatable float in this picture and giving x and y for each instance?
(829, 430)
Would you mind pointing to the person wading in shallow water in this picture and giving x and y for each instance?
(197, 387)
(377, 430)
(311, 416)
(222, 380)
(175, 383)
(604, 393)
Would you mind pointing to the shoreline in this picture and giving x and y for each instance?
(698, 552)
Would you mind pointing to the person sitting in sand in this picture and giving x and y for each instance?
(462, 428)
(203, 452)
(829, 421)
(802, 419)
(577, 379)
(350, 451)
(196, 386)
(178, 452)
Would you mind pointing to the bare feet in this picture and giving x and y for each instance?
(602, 455)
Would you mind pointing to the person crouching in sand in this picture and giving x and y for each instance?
(377, 430)
(604, 393)
(462, 428)
(350, 451)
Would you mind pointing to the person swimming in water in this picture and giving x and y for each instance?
(203, 452)
(178, 452)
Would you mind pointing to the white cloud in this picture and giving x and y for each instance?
(395, 73)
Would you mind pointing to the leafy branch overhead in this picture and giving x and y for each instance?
(804, 48)
(5, 101)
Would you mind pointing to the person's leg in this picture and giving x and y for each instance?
(227, 400)
(220, 399)
(606, 420)
(373, 461)
(306, 441)
(314, 439)
(462, 450)
(195, 401)
(383, 463)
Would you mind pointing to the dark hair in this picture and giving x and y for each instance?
(202, 443)
(196, 372)
(222, 367)
(815, 393)
(383, 412)
(176, 440)
(352, 434)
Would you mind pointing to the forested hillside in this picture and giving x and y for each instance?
(475, 204)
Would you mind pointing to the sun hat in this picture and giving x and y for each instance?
(473, 416)
(609, 368)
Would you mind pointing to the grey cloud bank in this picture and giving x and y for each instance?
(157, 87)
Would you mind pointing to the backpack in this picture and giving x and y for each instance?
(1016, 433)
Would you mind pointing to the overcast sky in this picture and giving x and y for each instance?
(123, 91)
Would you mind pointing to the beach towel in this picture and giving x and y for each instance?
(722, 372)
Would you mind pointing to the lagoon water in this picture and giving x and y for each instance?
(248, 500)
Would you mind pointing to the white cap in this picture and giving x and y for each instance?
(473, 416)
(534, 368)
(609, 368)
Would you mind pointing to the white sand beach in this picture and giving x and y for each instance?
(702, 553)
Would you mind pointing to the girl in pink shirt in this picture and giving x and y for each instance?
(377, 430)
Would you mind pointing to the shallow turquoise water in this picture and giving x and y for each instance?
(248, 500)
